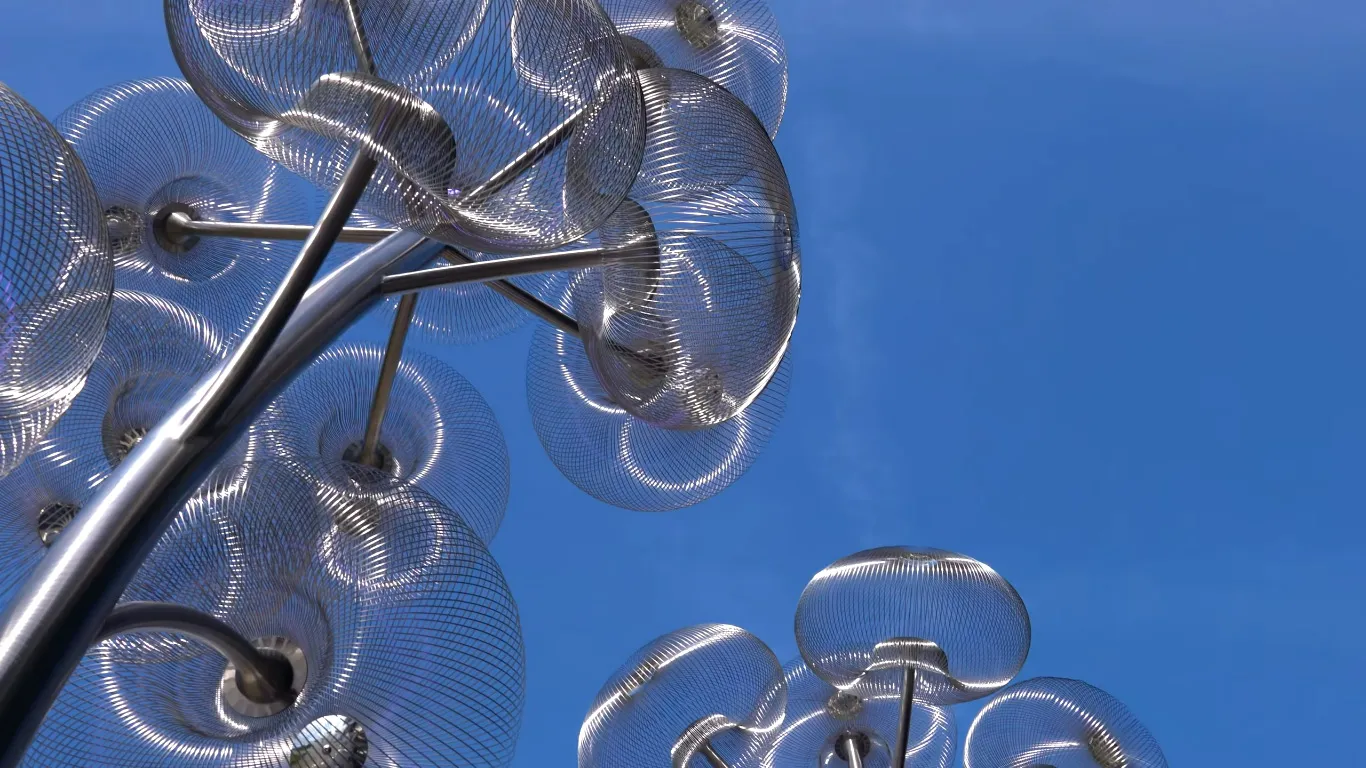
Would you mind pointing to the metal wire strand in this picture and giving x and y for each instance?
(409, 639)
(1058, 722)
(150, 144)
(707, 684)
(438, 433)
(867, 617)
(733, 42)
(465, 91)
(55, 277)
(818, 714)
(620, 459)
(686, 334)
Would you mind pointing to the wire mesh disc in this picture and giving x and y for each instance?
(710, 683)
(867, 617)
(410, 639)
(504, 126)
(55, 277)
(438, 433)
(819, 715)
(152, 145)
(1062, 723)
(686, 331)
(733, 42)
(622, 460)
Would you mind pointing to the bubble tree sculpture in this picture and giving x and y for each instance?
(232, 542)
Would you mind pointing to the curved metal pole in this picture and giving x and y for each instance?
(261, 678)
(52, 620)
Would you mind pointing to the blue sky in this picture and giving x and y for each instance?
(1082, 300)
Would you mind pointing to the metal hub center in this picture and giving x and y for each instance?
(127, 440)
(166, 237)
(697, 24)
(53, 518)
(332, 741)
(275, 645)
(844, 706)
(125, 230)
(384, 458)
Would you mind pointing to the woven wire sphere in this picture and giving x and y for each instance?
(438, 433)
(819, 715)
(151, 147)
(1052, 721)
(687, 330)
(55, 277)
(867, 617)
(620, 459)
(733, 42)
(378, 594)
(462, 90)
(709, 683)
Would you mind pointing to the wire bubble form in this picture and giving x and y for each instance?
(503, 126)
(152, 149)
(710, 686)
(819, 715)
(687, 328)
(620, 459)
(866, 618)
(370, 597)
(732, 42)
(438, 432)
(1062, 723)
(55, 277)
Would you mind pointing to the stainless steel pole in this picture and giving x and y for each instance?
(393, 353)
(497, 269)
(903, 725)
(521, 298)
(712, 757)
(181, 225)
(852, 755)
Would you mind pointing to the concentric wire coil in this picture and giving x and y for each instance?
(1062, 723)
(504, 126)
(687, 330)
(624, 461)
(708, 684)
(410, 638)
(438, 432)
(733, 42)
(865, 618)
(819, 715)
(55, 277)
(152, 146)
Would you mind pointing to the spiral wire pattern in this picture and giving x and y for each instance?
(620, 459)
(865, 618)
(707, 683)
(411, 639)
(1062, 723)
(438, 432)
(55, 277)
(819, 714)
(736, 43)
(687, 328)
(500, 125)
(152, 143)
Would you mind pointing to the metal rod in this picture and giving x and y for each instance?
(388, 370)
(360, 43)
(903, 725)
(261, 678)
(182, 225)
(712, 757)
(523, 162)
(852, 755)
(521, 297)
(498, 269)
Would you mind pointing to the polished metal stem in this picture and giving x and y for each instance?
(852, 756)
(903, 725)
(498, 269)
(182, 225)
(261, 678)
(523, 162)
(522, 298)
(360, 42)
(712, 757)
(393, 353)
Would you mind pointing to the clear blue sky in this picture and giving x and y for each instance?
(1083, 299)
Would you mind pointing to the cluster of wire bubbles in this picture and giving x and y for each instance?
(716, 694)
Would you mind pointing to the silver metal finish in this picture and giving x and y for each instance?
(523, 162)
(393, 352)
(180, 224)
(903, 725)
(497, 269)
(281, 650)
(714, 759)
(360, 43)
(521, 297)
(851, 750)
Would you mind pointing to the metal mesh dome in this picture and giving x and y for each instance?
(686, 332)
(865, 618)
(501, 125)
(150, 144)
(55, 277)
(707, 683)
(734, 42)
(410, 640)
(622, 460)
(819, 714)
(1052, 721)
(438, 433)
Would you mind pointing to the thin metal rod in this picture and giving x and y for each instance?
(903, 725)
(261, 678)
(523, 162)
(181, 225)
(388, 370)
(712, 757)
(852, 755)
(360, 43)
(498, 269)
(521, 297)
